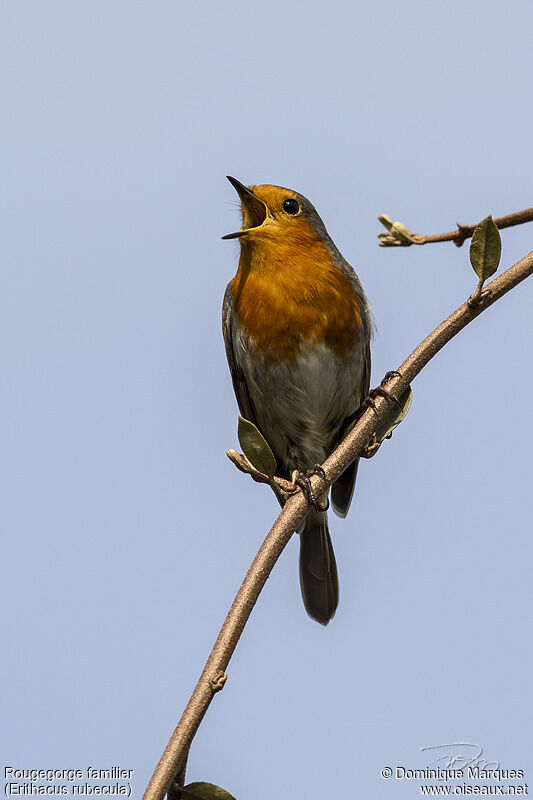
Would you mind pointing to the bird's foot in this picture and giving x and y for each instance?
(316, 470)
(369, 401)
(371, 449)
(392, 373)
(301, 479)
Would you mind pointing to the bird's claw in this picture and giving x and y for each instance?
(388, 396)
(371, 449)
(392, 373)
(380, 390)
(368, 402)
(317, 470)
(301, 479)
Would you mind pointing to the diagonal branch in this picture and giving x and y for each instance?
(399, 235)
(213, 676)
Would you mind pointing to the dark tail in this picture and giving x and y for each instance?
(318, 570)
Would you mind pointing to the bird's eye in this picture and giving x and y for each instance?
(291, 206)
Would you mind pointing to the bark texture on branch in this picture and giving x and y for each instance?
(400, 235)
(213, 676)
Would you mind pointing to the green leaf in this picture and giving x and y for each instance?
(485, 248)
(255, 447)
(392, 420)
(204, 791)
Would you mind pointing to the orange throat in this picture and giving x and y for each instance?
(287, 293)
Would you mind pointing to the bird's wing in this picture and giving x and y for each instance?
(240, 388)
(237, 376)
(342, 489)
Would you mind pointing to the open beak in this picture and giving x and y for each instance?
(254, 211)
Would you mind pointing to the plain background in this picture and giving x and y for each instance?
(125, 529)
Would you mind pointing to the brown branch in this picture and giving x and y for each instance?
(173, 759)
(399, 235)
(283, 487)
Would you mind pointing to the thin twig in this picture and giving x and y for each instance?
(475, 297)
(280, 485)
(293, 513)
(400, 235)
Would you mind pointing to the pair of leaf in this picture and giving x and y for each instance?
(204, 791)
(485, 248)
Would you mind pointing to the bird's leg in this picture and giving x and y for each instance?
(372, 448)
(380, 390)
(316, 470)
(301, 479)
(369, 401)
(322, 504)
(392, 373)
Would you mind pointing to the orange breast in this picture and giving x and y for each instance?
(288, 291)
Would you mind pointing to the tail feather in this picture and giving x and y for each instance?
(318, 569)
(342, 490)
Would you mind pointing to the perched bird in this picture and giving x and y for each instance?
(297, 329)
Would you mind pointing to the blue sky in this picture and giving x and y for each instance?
(126, 531)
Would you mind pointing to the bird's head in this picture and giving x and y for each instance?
(271, 214)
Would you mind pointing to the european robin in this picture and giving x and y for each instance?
(297, 330)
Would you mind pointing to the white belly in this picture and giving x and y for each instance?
(301, 406)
